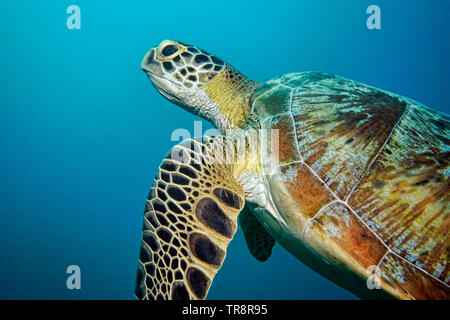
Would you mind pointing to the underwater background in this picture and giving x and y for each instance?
(82, 131)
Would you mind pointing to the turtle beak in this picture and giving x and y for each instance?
(152, 67)
(148, 61)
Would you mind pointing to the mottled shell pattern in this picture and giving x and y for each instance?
(369, 171)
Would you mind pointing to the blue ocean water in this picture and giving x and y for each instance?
(82, 131)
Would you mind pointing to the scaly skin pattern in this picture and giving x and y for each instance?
(190, 218)
(363, 181)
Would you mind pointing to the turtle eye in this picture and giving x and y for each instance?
(169, 50)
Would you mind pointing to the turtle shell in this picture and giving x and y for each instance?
(362, 178)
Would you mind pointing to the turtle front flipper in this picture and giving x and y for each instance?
(190, 218)
(259, 241)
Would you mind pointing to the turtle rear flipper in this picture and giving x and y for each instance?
(190, 219)
(259, 241)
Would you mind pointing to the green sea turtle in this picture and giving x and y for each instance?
(354, 184)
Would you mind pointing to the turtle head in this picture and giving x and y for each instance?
(199, 82)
